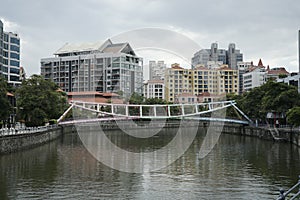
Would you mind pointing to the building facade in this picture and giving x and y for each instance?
(255, 77)
(230, 57)
(10, 56)
(154, 89)
(216, 81)
(243, 68)
(1, 47)
(157, 70)
(177, 81)
(101, 67)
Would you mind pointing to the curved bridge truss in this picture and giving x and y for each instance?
(192, 111)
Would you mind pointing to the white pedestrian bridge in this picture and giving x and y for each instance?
(212, 111)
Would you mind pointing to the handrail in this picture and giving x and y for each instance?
(18, 131)
(283, 194)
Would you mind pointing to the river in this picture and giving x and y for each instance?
(238, 167)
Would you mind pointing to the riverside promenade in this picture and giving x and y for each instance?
(12, 140)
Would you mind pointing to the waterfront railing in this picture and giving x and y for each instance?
(25, 130)
(283, 195)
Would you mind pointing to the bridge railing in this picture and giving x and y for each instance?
(26, 130)
(283, 195)
(153, 111)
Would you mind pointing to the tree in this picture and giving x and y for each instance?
(293, 116)
(272, 96)
(39, 100)
(136, 98)
(282, 76)
(5, 106)
(153, 101)
(120, 93)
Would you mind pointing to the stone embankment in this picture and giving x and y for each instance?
(275, 134)
(11, 141)
(15, 140)
(278, 135)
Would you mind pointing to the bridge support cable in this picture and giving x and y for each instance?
(242, 113)
(65, 113)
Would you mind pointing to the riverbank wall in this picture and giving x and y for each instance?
(277, 135)
(17, 142)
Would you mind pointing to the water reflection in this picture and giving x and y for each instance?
(237, 168)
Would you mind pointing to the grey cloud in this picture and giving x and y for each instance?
(261, 29)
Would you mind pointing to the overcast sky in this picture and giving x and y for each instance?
(266, 29)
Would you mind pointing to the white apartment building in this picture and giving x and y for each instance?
(10, 56)
(154, 89)
(254, 78)
(243, 67)
(101, 67)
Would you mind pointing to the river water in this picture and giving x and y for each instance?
(237, 168)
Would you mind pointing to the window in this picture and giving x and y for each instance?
(14, 63)
(14, 48)
(14, 55)
(14, 71)
(15, 41)
(116, 59)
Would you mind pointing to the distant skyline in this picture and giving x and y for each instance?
(260, 29)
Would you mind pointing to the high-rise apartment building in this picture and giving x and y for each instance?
(216, 81)
(230, 57)
(10, 56)
(157, 70)
(102, 67)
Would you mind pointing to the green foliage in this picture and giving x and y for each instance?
(272, 96)
(136, 98)
(38, 101)
(293, 116)
(282, 76)
(52, 121)
(233, 96)
(5, 106)
(157, 101)
(120, 93)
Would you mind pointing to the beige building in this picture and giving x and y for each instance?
(177, 81)
(228, 80)
(195, 82)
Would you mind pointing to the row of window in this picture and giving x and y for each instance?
(12, 55)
